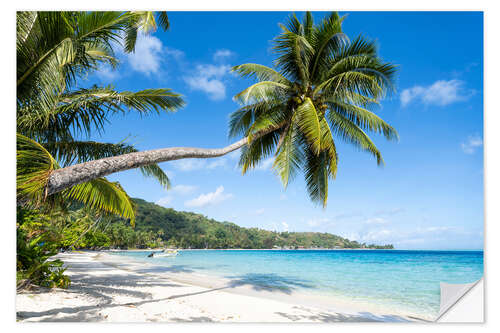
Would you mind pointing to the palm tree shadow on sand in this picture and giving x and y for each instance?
(269, 282)
(108, 283)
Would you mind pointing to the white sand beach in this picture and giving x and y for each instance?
(105, 288)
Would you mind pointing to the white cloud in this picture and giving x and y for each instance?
(317, 221)
(378, 235)
(389, 212)
(170, 174)
(285, 226)
(435, 229)
(164, 201)
(176, 54)
(183, 189)
(220, 162)
(222, 54)
(209, 79)
(147, 56)
(199, 164)
(418, 235)
(265, 164)
(473, 142)
(439, 93)
(211, 198)
(371, 236)
(189, 164)
(376, 220)
(235, 155)
(259, 211)
(107, 73)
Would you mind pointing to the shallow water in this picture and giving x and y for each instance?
(407, 281)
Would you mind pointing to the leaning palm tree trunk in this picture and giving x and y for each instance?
(64, 178)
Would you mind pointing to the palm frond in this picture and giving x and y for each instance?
(145, 22)
(308, 121)
(241, 120)
(257, 150)
(350, 82)
(87, 109)
(275, 118)
(351, 133)
(359, 46)
(25, 23)
(34, 166)
(363, 118)
(328, 39)
(104, 196)
(317, 174)
(374, 73)
(261, 73)
(288, 155)
(162, 20)
(295, 54)
(328, 146)
(262, 91)
(308, 26)
(154, 170)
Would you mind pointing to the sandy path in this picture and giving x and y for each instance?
(106, 290)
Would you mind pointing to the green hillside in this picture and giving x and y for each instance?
(190, 230)
(157, 226)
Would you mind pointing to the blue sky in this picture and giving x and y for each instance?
(429, 195)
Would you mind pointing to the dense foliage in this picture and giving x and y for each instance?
(157, 226)
(185, 229)
(57, 112)
(35, 247)
(40, 235)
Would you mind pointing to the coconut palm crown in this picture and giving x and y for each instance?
(323, 88)
(56, 51)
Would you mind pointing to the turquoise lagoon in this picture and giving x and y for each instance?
(404, 280)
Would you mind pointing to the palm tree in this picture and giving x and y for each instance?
(54, 50)
(323, 87)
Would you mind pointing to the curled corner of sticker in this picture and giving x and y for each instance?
(462, 302)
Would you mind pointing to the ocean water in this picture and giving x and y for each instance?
(407, 281)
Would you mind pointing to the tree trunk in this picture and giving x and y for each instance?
(64, 178)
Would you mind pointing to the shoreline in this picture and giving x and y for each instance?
(315, 298)
(106, 287)
(239, 249)
(308, 249)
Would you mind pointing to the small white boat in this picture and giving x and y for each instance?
(164, 253)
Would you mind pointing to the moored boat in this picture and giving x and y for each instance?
(164, 253)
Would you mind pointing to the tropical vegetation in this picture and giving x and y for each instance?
(56, 115)
(159, 227)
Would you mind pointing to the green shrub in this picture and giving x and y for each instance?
(34, 265)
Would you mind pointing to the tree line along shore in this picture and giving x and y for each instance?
(159, 227)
